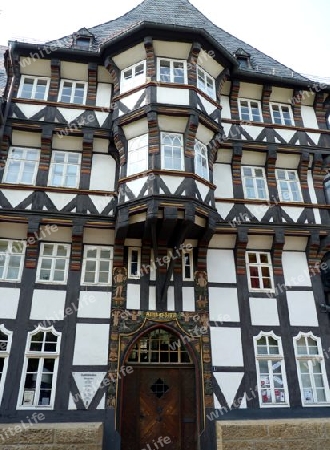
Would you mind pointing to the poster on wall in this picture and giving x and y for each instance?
(28, 398)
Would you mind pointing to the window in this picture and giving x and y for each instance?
(281, 114)
(259, 271)
(83, 43)
(73, 92)
(206, 83)
(137, 160)
(201, 160)
(134, 262)
(311, 369)
(11, 259)
(40, 369)
(172, 151)
(53, 263)
(34, 88)
(254, 182)
(97, 265)
(64, 169)
(250, 110)
(187, 266)
(172, 71)
(5, 344)
(272, 384)
(133, 76)
(288, 185)
(22, 166)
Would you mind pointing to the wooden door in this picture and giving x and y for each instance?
(159, 403)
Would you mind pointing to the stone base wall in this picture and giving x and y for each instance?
(291, 434)
(68, 436)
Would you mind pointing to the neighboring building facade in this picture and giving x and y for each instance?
(164, 217)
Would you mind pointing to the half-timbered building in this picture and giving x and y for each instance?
(164, 241)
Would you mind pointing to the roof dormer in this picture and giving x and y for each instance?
(243, 58)
(83, 39)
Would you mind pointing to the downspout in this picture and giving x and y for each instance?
(10, 92)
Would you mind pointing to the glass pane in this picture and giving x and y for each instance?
(62, 250)
(91, 253)
(252, 258)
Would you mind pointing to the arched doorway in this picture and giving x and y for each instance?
(159, 398)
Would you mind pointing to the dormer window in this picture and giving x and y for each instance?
(83, 43)
(83, 39)
(243, 59)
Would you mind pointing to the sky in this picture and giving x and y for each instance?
(295, 32)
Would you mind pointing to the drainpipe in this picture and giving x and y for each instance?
(10, 92)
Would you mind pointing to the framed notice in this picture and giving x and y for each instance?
(28, 398)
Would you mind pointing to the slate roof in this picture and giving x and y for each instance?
(184, 14)
(3, 76)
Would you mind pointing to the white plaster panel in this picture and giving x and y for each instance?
(103, 173)
(70, 114)
(94, 304)
(173, 124)
(260, 242)
(169, 49)
(302, 309)
(96, 236)
(74, 71)
(221, 266)
(258, 210)
(224, 155)
(311, 189)
(287, 135)
(58, 234)
(101, 117)
(188, 299)
(173, 96)
(33, 66)
(172, 182)
(226, 88)
(152, 298)
(206, 61)
(204, 134)
(15, 197)
(13, 230)
(100, 145)
(293, 212)
(295, 269)
(294, 243)
(253, 131)
(225, 113)
(133, 243)
(103, 95)
(30, 110)
(229, 384)
(136, 185)
(281, 95)
(170, 299)
(203, 190)
(209, 107)
(103, 75)
(9, 298)
(131, 100)
(249, 90)
(223, 179)
(223, 304)
(135, 129)
(253, 158)
(226, 346)
(48, 305)
(133, 296)
(315, 137)
(317, 216)
(223, 241)
(264, 311)
(91, 345)
(60, 200)
(308, 98)
(131, 56)
(26, 139)
(224, 208)
(88, 392)
(67, 142)
(226, 129)
(101, 201)
(309, 117)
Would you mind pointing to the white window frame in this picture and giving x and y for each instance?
(35, 82)
(190, 255)
(136, 80)
(198, 148)
(22, 162)
(97, 259)
(137, 148)
(162, 137)
(249, 102)
(283, 120)
(269, 357)
(54, 258)
(74, 84)
(66, 164)
(288, 181)
(254, 181)
(309, 359)
(4, 354)
(12, 244)
(130, 251)
(29, 354)
(172, 61)
(259, 266)
(203, 86)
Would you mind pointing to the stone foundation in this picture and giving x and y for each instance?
(300, 434)
(68, 436)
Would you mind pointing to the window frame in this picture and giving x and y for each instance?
(184, 265)
(7, 256)
(289, 182)
(5, 354)
(74, 83)
(254, 181)
(280, 106)
(206, 74)
(140, 150)
(130, 275)
(310, 358)
(259, 266)
(172, 61)
(249, 101)
(126, 86)
(64, 173)
(197, 153)
(22, 164)
(98, 259)
(39, 355)
(162, 136)
(53, 258)
(35, 82)
(269, 357)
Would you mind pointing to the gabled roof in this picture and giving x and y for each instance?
(183, 14)
(3, 76)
